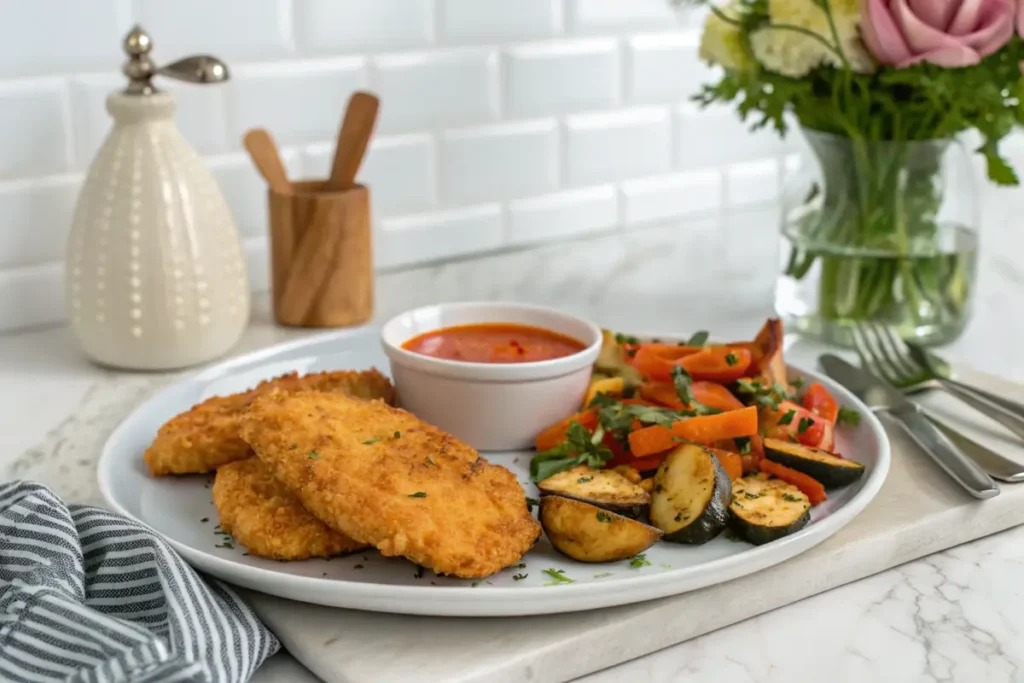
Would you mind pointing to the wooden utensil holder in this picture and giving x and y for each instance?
(321, 257)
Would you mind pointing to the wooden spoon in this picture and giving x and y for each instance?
(353, 138)
(263, 150)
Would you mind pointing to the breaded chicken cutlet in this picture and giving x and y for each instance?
(380, 475)
(206, 437)
(264, 516)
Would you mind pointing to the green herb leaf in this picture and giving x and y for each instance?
(557, 576)
(372, 441)
(731, 359)
(418, 494)
(531, 503)
(640, 561)
(797, 383)
(790, 498)
(580, 448)
(848, 416)
(204, 520)
(584, 480)
(787, 417)
(683, 383)
(603, 516)
(805, 424)
(699, 338)
(398, 435)
(313, 455)
(743, 444)
(626, 339)
(519, 577)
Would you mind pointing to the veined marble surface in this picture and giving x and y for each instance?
(954, 616)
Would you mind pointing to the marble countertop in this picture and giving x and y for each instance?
(953, 616)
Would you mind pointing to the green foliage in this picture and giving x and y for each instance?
(920, 102)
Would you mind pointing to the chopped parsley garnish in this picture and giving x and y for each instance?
(418, 574)
(699, 338)
(531, 503)
(787, 417)
(398, 435)
(521, 565)
(226, 544)
(797, 383)
(580, 448)
(731, 359)
(639, 561)
(805, 424)
(418, 494)
(603, 516)
(204, 520)
(743, 443)
(313, 455)
(294, 446)
(848, 416)
(683, 383)
(601, 576)
(790, 498)
(370, 442)
(752, 496)
(625, 339)
(557, 576)
(763, 395)
(584, 480)
(519, 577)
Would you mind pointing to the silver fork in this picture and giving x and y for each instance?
(884, 354)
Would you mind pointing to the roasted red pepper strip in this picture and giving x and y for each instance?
(819, 401)
(809, 485)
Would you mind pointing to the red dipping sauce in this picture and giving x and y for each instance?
(494, 343)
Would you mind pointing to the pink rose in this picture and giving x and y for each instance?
(949, 33)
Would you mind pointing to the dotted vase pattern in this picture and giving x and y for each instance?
(156, 277)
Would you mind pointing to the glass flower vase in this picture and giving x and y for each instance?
(879, 232)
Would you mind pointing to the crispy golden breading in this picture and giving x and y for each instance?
(261, 514)
(206, 437)
(382, 476)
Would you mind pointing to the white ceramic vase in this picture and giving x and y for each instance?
(155, 275)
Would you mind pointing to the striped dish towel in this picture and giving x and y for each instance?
(90, 596)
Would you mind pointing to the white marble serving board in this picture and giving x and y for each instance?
(918, 512)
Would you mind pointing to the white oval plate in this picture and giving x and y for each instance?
(182, 511)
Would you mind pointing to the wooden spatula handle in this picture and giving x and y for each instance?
(263, 150)
(353, 139)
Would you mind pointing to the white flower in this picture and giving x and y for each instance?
(794, 54)
(722, 42)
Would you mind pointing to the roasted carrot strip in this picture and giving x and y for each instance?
(810, 486)
(731, 462)
(706, 429)
(715, 396)
(555, 434)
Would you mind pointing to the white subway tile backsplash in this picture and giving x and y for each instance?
(199, 116)
(753, 182)
(664, 67)
(615, 15)
(399, 170)
(425, 89)
(671, 196)
(297, 102)
(561, 215)
(562, 76)
(33, 132)
(246, 191)
(617, 145)
(469, 21)
(499, 161)
(37, 215)
(340, 26)
(402, 241)
(234, 30)
(29, 296)
(56, 36)
(716, 136)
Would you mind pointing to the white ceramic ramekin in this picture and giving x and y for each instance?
(490, 406)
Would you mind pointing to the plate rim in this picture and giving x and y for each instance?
(488, 601)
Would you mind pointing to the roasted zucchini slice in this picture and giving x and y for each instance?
(606, 489)
(588, 533)
(764, 510)
(830, 470)
(691, 496)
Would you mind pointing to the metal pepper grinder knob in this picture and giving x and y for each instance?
(140, 69)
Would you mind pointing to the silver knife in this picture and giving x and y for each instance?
(882, 398)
